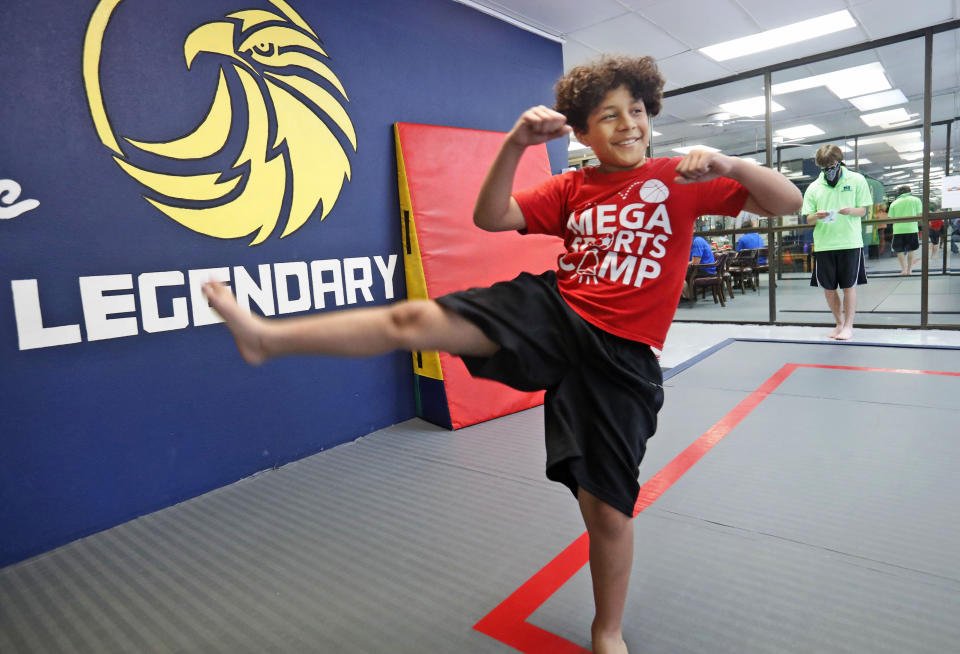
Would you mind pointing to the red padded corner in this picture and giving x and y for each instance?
(445, 167)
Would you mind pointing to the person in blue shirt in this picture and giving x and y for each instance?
(700, 252)
(750, 241)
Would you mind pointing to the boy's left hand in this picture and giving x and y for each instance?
(702, 166)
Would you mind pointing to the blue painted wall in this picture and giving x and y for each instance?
(95, 432)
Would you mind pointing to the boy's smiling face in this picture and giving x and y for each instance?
(618, 130)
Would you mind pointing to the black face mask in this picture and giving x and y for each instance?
(832, 174)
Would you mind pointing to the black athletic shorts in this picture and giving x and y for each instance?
(843, 268)
(603, 391)
(934, 236)
(906, 242)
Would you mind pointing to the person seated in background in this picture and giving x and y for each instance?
(750, 240)
(700, 252)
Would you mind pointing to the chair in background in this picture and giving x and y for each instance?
(741, 269)
(760, 268)
(700, 282)
(723, 269)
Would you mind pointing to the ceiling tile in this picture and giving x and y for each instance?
(689, 107)
(561, 17)
(882, 18)
(689, 68)
(797, 50)
(629, 34)
(777, 14)
(724, 21)
(576, 53)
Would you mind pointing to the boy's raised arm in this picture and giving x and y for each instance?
(496, 210)
(771, 194)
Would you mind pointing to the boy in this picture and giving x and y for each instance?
(583, 332)
(906, 236)
(834, 203)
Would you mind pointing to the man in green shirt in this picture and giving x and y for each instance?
(835, 202)
(906, 239)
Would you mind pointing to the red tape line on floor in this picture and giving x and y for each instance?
(508, 624)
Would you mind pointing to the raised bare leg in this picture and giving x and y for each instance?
(849, 311)
(408, 325)
(611, 557)
(836, 308)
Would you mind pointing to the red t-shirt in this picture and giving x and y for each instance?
(627, 237)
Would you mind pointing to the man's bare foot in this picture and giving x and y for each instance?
(246, 328)
(845, 334)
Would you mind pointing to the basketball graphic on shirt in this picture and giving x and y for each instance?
(653, 190)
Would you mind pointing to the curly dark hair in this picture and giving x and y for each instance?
(582, 89)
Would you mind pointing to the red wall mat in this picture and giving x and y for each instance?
(440, 173)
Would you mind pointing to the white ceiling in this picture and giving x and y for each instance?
(672, 31)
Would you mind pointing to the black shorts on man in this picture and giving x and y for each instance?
(838, 268)
(906, 242)
(603, 391)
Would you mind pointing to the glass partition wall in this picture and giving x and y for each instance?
(893, 108)
(728, 118)
(870, 105)
(943, 284)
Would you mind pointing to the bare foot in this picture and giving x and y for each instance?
(613, 645)
(607, 642)
(836, 330)
(246, 328)
(844, 334)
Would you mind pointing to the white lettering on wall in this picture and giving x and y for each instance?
(283, 272)
(110, 302)
(321, 287)
(386, 269)
(9, 207)
(246, 289)
(202, 313)
(97, 307)
(147, 285)
(30, 330)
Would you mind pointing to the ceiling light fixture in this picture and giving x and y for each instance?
(750, 107)
(843, 83)
(781, 36)
(800, 131)
(878, 100)
(879, 118)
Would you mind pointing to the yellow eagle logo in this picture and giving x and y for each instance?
(288, 148)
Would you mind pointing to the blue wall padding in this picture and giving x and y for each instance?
(96, 432)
